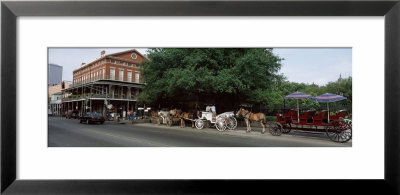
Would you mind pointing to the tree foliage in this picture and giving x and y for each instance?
(341, 87)
(246, 74)
(226, 76)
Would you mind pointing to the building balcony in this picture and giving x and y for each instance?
(108, 78)
(55, 101)
(97, 96)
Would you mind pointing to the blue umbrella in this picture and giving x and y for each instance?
(298, 95)
(328, 97)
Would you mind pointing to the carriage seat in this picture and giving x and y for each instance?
(291, 115)
(339, 114)
(288, 114)
(321, 117)
(294, 116)
(307, 116)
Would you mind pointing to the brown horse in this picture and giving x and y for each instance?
(154, 114)
(186, 115)
(251, 117)
(175, 112)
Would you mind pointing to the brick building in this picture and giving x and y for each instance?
(109, 83)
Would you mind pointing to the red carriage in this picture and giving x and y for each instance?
(337, 127)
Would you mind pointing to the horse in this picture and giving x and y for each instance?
(186, 115)
(173, 115)
(164, 115)
(252, 117)
(175, 112)
(154, 115)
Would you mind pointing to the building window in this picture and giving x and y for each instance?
(112, 73)
(112, 61)
(121, 74)
(104, 73)
(129, 76)
(137, 73)
(133, 56)
(136, 65)
(121, 63)
(130, 64)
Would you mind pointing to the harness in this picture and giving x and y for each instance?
(247, 114)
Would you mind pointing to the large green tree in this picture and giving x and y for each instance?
(227, 75)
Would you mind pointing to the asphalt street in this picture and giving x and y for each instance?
(70, 133)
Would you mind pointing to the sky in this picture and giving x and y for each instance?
(315, 65)
(303, 65)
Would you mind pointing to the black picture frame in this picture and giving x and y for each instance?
(10, 10)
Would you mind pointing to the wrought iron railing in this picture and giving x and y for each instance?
(88, 96)
(130, 80)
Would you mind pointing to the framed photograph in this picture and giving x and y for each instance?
(199, 97)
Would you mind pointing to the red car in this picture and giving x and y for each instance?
(92, 117)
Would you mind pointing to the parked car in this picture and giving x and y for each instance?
(92, 117)
(72, 114)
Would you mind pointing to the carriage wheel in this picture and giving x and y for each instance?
(285, 129)
(276, 130)
(339, 131)
(232, 123)
(220, 124)
(199, 124)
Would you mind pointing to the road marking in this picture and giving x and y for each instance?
(128, 138)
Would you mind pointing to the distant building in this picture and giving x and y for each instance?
(55, 74)
(55, 104)
(57, 88)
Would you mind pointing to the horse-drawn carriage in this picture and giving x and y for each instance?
(199, 120)
(337, 127)
(222, 121)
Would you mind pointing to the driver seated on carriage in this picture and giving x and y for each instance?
(211, 108)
